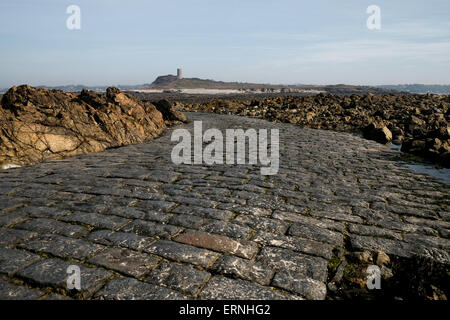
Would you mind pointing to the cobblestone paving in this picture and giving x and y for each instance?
(141, 227)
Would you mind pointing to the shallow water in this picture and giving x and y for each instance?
(442, 175)
(396, 147)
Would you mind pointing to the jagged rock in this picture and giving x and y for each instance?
(413, 120)
(397, 135)
(382, 258)
(169, 112)
(41, 124)
(386, 273)
(361, 256)
(378, 132)
(432, 148)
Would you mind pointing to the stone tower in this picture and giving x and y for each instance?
(179, 74)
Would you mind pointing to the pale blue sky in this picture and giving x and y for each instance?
(283, 41)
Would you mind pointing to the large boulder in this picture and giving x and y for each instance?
(430, 148)
(41, 124)
(169, 112)
(378, 132)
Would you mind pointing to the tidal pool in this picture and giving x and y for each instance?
(441, 174)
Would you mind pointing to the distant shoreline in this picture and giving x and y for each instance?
(218, 91)
(242, 88)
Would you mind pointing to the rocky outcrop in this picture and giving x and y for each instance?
(378, 132)
(41, 124)
(417, 122)
(170, 114)
(430, 137)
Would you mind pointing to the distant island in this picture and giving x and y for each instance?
(176, 83)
